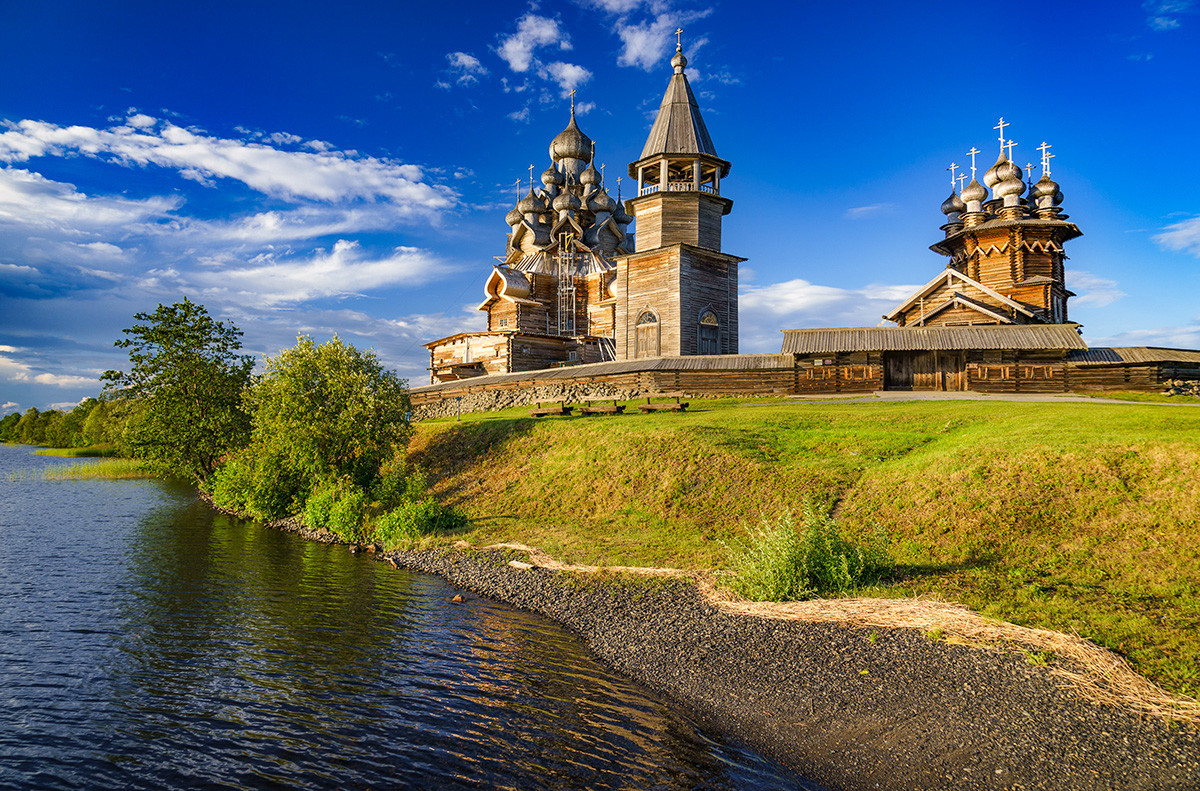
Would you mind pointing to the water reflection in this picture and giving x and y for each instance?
(147, 642)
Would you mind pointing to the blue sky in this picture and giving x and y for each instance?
(345, 168)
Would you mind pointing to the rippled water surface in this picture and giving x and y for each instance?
(147, 642)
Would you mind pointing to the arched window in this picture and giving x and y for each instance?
(647, 334)
(710, 333)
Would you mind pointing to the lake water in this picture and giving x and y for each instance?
(149, 642)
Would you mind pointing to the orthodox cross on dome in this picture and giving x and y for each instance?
(1010, 145)
(679, 39)
(601, 172)
(573, 103)
(1046, 157)
(518, 190)
(1029, 174)
(953, 169)
(618, 188)
(1001, 126)
(961, 178)
(972, 154)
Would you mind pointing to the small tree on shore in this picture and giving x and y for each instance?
(184, 388)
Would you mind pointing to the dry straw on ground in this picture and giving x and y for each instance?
(1095, 673)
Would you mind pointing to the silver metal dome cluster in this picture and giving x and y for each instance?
(1005, 180)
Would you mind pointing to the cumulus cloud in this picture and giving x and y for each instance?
(321, 175)
(1092, 290)
(644, 44)
(764, 310)
(1181, 237)
(7, 405)
(465, 68)
(16, 371)
(568, 75)
(533, 33)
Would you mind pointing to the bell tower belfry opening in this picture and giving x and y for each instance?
(677, 272)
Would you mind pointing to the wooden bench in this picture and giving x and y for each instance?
(554, 408)
(599, 406)
(663, 406)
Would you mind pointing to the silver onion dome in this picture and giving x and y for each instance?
(953, 204)
(571, 143)
(552, 177)
(974, 192)
(1003, 170)
(531, 203)
(567, 201)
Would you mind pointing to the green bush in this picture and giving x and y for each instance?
(399, 483)
(779, 563)
(339, 507)
(258, 485)
(411, 520)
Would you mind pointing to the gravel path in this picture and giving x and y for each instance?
(851, 708)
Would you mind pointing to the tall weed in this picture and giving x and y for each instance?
(777, 562)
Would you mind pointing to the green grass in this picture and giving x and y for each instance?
(107, 469)
(76, 452)
(1158, 398)
(1078, 517)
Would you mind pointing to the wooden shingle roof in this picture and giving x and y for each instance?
(678, 129)
(887, 339)
(1119, 355)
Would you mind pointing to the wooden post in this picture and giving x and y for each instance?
(663, 175)
(696, 175)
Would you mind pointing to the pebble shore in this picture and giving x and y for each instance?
(849, 708)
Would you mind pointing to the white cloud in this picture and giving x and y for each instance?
(859, 212)
(1092, 290)
(644, 44)
(616, 6)
(466, 68)
(521, 115)
(533, 33)
(765, 310)
(29, 199)
(15, 371)
(322, 175)
(583, 108)
(1182, 237)
(1164, 14)
(568, 75)
(1187, 337)
(343, 271)
(9, 405)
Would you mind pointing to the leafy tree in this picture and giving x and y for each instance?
(7, 426)
(185, 383)
(320, 413)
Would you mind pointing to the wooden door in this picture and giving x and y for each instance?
(647, 340)
(898, 371)
(952, 368)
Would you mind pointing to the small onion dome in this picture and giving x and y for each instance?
(531, 203)
(571, 143)
(679, 61)
(602, 202)
(953, 204)
(513, 217)
(1047, 188)
(1003, 170)
(589, 176)
(620, 215)
(973, 192)
(567, 201)
(552, 177)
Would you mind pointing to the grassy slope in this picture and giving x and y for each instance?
(1077, 517)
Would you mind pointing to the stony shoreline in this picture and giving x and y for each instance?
(847, 707)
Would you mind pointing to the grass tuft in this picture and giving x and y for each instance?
(106, 469)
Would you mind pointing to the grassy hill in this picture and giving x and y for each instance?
(1080, 517)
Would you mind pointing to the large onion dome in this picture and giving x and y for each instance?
(571, 143)
(590, 176)
(953, 204)
(974, 192)
(1013, 182)
(513, 217)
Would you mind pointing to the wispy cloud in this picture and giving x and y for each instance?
(1181, 237)
(1092, 290)
(1164, 14)
(16, 371)
(465, 68)
(859, 212)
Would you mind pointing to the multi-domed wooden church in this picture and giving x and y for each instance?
(574, 287)
(577, 298)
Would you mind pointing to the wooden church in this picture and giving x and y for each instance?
(574, 287)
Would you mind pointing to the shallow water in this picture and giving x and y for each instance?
(148, 642)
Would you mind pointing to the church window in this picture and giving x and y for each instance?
(647, 335)
(710, 333)
(502, 322)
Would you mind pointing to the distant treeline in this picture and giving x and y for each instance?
(94, 422)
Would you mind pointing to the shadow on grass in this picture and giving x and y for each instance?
(463, 443)
(902, 572)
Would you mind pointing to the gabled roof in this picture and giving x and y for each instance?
(958, 300)
(678, 129)
(944, 278)
(888, 339)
